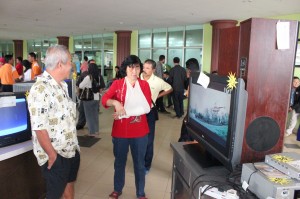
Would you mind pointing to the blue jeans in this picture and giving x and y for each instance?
(138, 150)
(149, 152)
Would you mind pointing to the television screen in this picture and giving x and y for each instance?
(210, 109)
(15, 119)
(216, 118)
(15, 125)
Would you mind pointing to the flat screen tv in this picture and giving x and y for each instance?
(216, 118)
(15, 120)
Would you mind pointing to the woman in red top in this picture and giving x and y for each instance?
(131, 98)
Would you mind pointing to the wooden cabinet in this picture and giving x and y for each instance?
(268, 75)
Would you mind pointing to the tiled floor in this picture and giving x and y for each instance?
(95, 179)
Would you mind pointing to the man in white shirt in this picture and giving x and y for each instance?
(53, 124)
(159, 88)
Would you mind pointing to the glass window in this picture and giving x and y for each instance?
(174, 53)
(6, 48)
(175, 37)
(145, 39)
(87, 42)
(193, 37)
(97, 42)
(159, 38)
(183, 42)
(78, 43)
(144, 54)
(157, 52)
(193, 53)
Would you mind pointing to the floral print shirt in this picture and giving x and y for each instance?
(51, 109)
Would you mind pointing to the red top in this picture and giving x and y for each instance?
(19, 68)
(123, 128)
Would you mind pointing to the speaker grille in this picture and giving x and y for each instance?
(262, 134)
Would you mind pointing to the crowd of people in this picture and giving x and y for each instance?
(24, 71)
(136, 93)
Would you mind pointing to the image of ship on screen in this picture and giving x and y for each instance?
(211, 110)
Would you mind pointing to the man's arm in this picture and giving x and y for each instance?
(44, 140)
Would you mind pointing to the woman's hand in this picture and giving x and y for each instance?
(120, 111)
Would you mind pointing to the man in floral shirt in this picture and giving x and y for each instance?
(53, 123)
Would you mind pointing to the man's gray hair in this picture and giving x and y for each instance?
(56, 54)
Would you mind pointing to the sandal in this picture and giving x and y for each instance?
(114, 195)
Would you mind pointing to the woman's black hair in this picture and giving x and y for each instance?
(94, 71)
(26, 64)
(131, 59)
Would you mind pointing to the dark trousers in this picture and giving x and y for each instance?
(160, 104)
(138, 149)
(81, 118)
(169, 96)
(150, 146)
(178, 103)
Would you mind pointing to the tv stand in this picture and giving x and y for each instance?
(191, 165)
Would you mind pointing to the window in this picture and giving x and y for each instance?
(39, 47)
(6, 48)
(98, 47)
(184, 42)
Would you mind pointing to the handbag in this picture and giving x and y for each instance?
(155, 111)
(86, 94)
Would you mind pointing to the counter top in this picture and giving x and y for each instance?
(15, 150)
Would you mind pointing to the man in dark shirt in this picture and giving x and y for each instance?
(178, 79)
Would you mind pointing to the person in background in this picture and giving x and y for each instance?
(178, 80)
(27, 70)
(81, 116)
(91, 107)
(9, 74)
(192, 65)
(53, 119)
(19, 66)
(118, 74)
(91, 61)
(294, 106)
(169, 96)
(159, 73)
(2, 62)
(84, 66)
(131, 98)
(159, 88)
(35, 68)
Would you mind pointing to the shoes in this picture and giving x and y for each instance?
(114, 195)
(95, 135)
(169, 105)
(147, 171)
(165, 112)
(287, 134)
(78, 127)
(177, 117)
(142, 198)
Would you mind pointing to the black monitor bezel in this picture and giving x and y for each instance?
(200, 134)
(20, 136)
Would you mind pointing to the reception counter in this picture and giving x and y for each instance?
(20, 175)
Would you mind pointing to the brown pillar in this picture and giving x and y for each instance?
(18, 44)
(217, 25)
(63, 41)
(123, 45)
